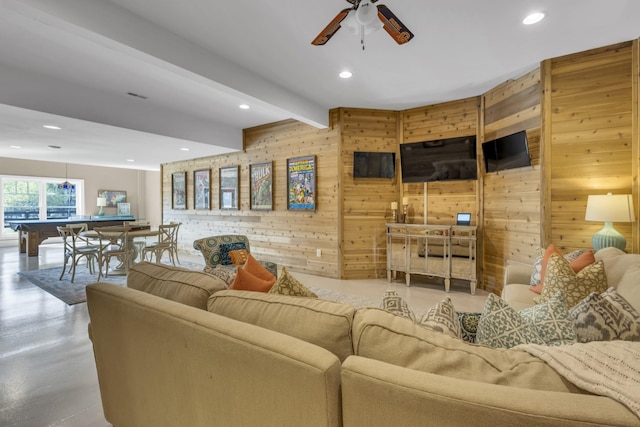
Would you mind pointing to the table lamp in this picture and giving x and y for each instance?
(609, 208)
(101, 202)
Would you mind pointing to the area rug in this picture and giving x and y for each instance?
(74, 293)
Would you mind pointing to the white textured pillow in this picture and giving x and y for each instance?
(629, 286)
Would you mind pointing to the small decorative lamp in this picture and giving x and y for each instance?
(610, 208)
(101, 202)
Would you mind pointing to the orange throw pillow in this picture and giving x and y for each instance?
(238, 256)
(585, 259)
(255, 268)
(246, 281)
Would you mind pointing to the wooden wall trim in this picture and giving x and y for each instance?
(545, 155)
(635, 84)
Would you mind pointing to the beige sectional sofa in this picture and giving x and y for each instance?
(254, 359)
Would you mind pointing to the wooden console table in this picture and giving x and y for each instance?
(427, 250)
(33, 232)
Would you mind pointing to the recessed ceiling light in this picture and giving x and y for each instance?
(244, 106)
(52, 127)
(533, 18)
(130, 160)
(15, 146)
(345, 75)
(184, 149)
(54, 147)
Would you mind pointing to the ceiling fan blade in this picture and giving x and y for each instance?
(393, 25)
(330, 29)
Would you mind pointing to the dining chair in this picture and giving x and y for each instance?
(117, 245)
(76, 247)
(167, 242)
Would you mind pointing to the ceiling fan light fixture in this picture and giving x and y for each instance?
(366, 14)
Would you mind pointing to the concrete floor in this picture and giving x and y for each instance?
(47, 372)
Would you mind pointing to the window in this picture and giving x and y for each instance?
(33, 198)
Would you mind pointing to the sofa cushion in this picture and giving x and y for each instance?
(324, 323)
(175, 283)
(383, 336)
(442, 317)
(246, 281)
(629, 286)
(576, 286)
(606, 317)
(289, 285)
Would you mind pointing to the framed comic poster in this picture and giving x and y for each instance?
(179, 190)
(229, 187)
(124, 209)
(202, 189)
(261, 186)
(301, 183)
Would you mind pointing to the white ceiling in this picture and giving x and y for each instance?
(72, 63)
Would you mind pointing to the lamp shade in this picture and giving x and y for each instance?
(610, 208)
(101, 201)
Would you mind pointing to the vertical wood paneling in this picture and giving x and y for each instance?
(511, 198)
(591, 128)
(366, 202)
(444, 199)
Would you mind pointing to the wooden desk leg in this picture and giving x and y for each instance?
(22, 241)
(33, 241)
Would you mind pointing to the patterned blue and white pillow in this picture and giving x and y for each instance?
(552, 320)
(442, 317)
(225, 248)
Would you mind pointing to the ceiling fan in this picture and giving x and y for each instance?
(361, 17)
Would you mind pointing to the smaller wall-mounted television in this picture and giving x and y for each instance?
(374, 165)
(508, 152)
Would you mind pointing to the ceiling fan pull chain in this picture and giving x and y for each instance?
(362, 36)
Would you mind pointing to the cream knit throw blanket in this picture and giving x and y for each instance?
(605, 368)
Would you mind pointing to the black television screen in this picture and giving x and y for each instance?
(508, 152)
(442, 160)
(374, 165)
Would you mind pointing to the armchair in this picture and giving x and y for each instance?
(214, 249)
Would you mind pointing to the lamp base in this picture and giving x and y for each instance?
(101, 211)
(608, 237)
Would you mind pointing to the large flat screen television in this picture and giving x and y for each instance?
(374, 165)
(508, 152)
(442, 160)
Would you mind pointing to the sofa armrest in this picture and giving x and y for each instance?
(377, 394)
(517, 273)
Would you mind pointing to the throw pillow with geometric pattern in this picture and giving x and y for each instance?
(500, 326)
(560, 276)
(225, 248)
(597, 318)
(552, 321)
(442, 317)
(392, 302)
(289, 285)
(618, 300)
(227, 274)
(468, 325)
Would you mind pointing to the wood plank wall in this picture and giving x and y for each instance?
(444, 199)
(289, 238)
(581, 114)
(590, 117)
(511, 198)
(366, 201)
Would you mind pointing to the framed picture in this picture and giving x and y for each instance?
(301, 183)
(202, 189)
(124, 209)
(113, 197)
(261, 186)
(179, 190)
(229, 187)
